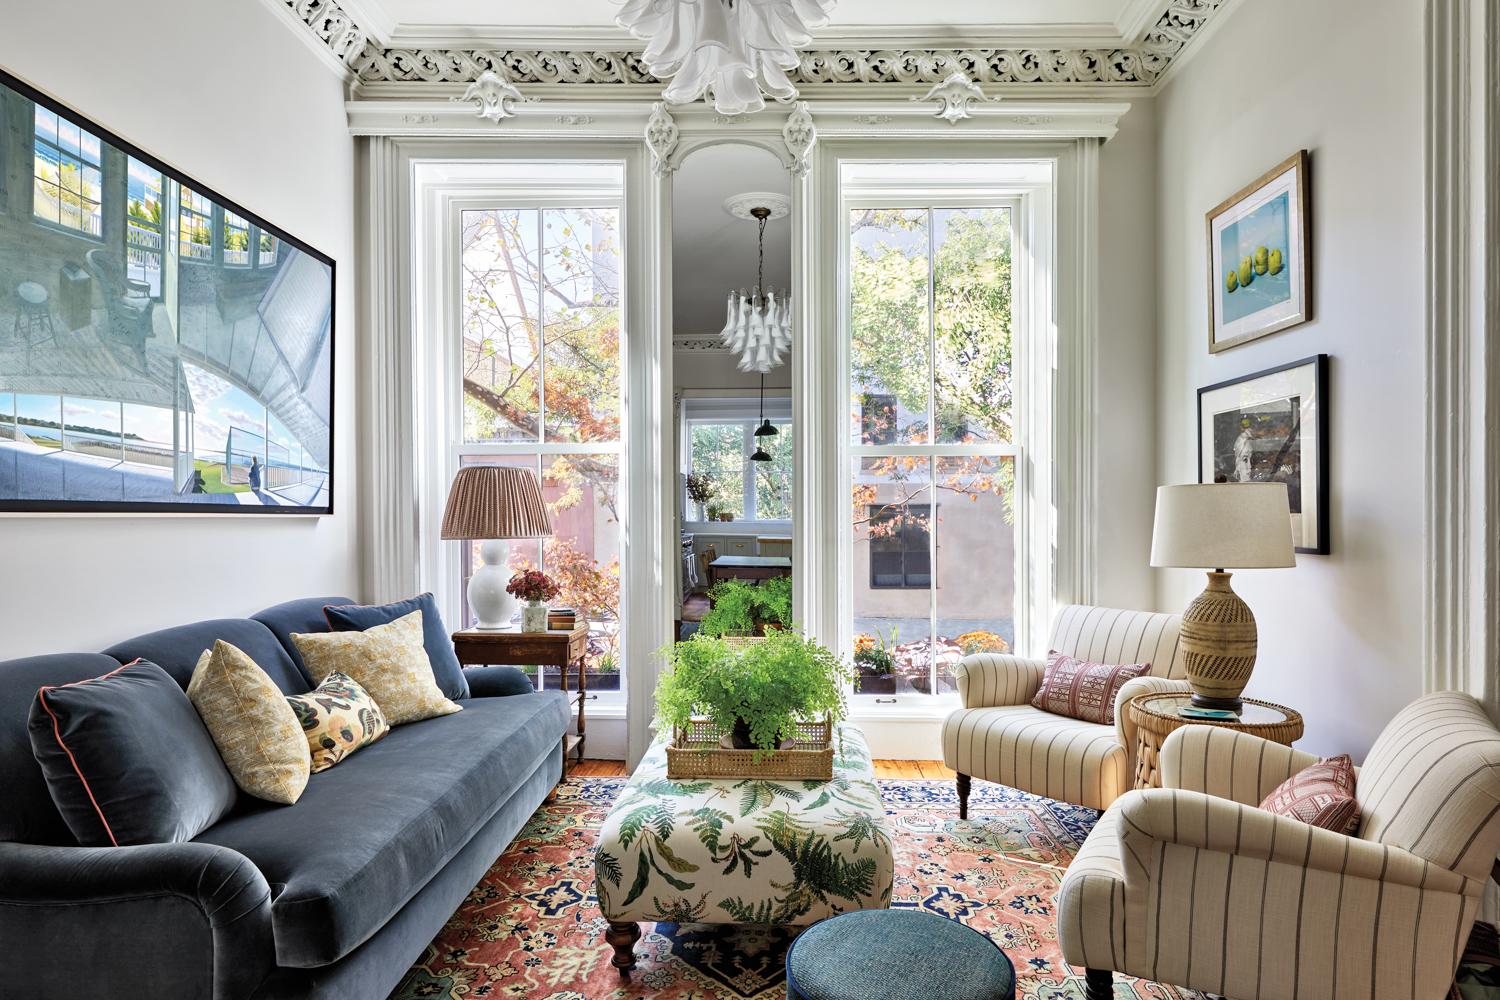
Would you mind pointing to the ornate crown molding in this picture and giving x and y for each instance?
(1140, 65)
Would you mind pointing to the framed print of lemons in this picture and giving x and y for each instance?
(1258, 258)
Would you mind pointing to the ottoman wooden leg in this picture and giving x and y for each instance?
(963, 796)
(622, 936)
(1099, 984)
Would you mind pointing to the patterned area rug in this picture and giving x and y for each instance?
(531, 929)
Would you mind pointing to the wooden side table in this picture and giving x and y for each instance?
(512, 647)
(1155, 717)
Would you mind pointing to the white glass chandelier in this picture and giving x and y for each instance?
(759, 325)
(738, 48)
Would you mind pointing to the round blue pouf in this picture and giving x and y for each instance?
(896, 955)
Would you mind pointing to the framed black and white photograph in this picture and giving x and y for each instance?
(162, 348)
(1259, 260)
(1272, 427)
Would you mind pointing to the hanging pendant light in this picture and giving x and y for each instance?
(758, 326)
(765, 429)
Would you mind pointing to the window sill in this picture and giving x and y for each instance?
(907, 708)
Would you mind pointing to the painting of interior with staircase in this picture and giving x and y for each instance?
(161, 349)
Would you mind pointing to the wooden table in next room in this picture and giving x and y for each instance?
(748, 568)
(512, 647)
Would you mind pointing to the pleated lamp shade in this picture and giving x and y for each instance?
(495, 501)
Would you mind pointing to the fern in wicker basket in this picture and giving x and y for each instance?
(762, 689)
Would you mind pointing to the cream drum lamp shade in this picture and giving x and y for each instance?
(494, 503)
(1219, 526)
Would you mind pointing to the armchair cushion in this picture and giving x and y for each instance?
(1321, 795)
(1038, 752)
(1081, 690)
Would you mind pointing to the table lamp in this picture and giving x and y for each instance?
(1219, 526)
(495, 503)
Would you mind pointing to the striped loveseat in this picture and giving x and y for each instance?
(1191, 884)
(998, 736)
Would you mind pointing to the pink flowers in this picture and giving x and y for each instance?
(532, 585)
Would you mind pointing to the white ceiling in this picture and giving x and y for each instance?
(712, 251)
(854, 23)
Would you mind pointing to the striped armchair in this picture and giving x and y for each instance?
(998, 736)
(1191, 884)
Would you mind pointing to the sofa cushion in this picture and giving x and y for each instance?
(388, 661)
(304, 615)
(338, 717)
(256, 730)
(176, 650)
(27, 813)
(1081, 690)
(367, 835)
(1321, 795)
(127, 760)
(435, 638)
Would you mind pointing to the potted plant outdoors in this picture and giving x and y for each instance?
(756, 694)
(875, 664)
(533, 586)
(741, 608)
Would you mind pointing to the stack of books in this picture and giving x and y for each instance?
(562, 618)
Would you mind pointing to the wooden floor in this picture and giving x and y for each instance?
(883, 769)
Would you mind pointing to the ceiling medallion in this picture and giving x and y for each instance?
(742, 206)
(739, 51)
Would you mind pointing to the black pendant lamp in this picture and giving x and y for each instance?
(765, 429)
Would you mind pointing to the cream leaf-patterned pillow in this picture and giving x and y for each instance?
(388, 661)
(256, 731)
(337, 718)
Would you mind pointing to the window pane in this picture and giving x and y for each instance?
(583, 555)
(719, 453)
(971, 347)
(889, 350)
(892, 573)
(498, 298)
(975, 560)
(773, 479)
(197, 240)
(581, 261)
(143, 237)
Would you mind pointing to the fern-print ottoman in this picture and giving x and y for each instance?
(742, 850)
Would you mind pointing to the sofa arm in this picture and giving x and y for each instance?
(1192, 819)
(497, 682)
(159, 920)
(1228, 764)
(989, 680)
(1125, 726)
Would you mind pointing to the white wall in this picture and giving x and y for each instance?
(1339, 635)
(224, 92)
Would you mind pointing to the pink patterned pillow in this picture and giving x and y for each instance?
(1082, 690)
(1321, 795)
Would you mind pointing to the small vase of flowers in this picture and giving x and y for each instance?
(534, 587)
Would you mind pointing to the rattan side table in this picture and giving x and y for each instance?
(1155, 717)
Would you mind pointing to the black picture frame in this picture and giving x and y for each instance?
(285, 482)
(1265, 455)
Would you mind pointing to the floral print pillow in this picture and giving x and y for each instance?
(337, 718)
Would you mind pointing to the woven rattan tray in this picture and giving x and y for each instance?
(695, 753)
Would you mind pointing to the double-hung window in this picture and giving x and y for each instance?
(236, 240)
(539, 292)
(719, 439)
(69, 174)
(196, 226)
(931, 442)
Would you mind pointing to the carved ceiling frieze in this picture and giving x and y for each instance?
(1140, 65)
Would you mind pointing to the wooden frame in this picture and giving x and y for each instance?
(1280, 383)
(1290, 302)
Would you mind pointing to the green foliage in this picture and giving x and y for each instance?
(771, 685)
(608, 865)
(740, 605)
(700, 487)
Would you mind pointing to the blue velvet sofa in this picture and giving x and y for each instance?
(332, 897)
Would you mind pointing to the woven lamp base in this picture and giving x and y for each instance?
(1218, 645)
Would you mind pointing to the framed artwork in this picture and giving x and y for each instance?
(162, 348)
(1259, 260)
(1272, 427)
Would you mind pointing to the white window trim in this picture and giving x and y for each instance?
(1055, 218)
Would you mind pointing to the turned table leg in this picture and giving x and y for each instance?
(963, 796)
(1099, 984)
(622, 936)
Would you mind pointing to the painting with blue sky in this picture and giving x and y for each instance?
(161, 349)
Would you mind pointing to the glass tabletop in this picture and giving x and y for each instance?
(1251, 714)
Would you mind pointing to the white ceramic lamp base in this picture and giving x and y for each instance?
(491, 605)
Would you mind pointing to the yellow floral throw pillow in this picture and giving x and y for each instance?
(388, 661)
(256, 731)
(338, 718)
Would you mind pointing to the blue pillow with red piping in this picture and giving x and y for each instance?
(128, 760)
